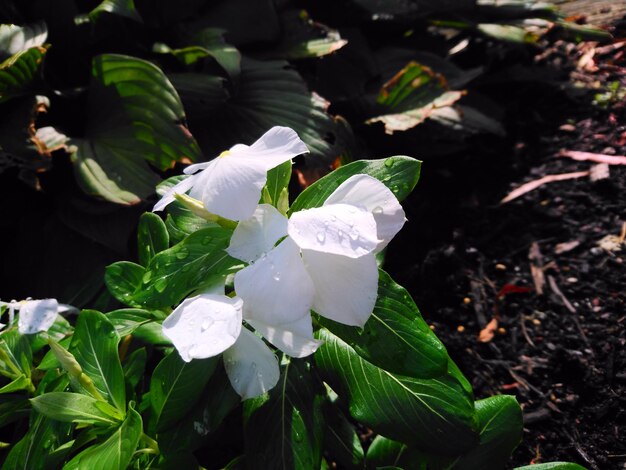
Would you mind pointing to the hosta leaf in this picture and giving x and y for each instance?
(269, 94)
(76, 408)
(94, 345)
(135, 117)
(127, 320)
(384, 453)
(18, 71)
(196, 262)
(14, 38)
(411, 96)
(395, 338)
(284, 430)
(201, 94)
(175, 388)
(124, 8)
(400, 174)
(116, 452)
(419, 412)
(152, 237)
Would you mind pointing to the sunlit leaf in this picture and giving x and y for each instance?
(135, 117)
(411, 96)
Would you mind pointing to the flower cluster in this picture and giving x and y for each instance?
(321, 259)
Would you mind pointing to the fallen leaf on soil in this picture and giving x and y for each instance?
(531, 185)
(487, 333)
(594, 157)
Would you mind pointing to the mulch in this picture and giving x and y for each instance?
(529, 296)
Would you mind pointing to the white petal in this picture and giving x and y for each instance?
(276, 289)
(191, 169)
(2, 325)
(345, 288)
(295, 338)
(37, 315)
(251, 366)
(180, 188)
(276, 146)
(339, 229)
(231, 188)
(369, 194)
(257, 235)
(204, 326)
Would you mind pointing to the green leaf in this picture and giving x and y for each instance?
(411, 96)
(20, 383)
(59, 330)
(152, 237)
(198, 261)
(400, 174)
(13, 408)
(419, 412)
(268, 94)
(116, 452)
(200, 93)
(552, 466)
(175, 388)
(384, 452)
(16, 356)
(341, 439)
(34, 450)
(127, 320)
(14, 38)
(180, 222)
(500, 426)
(134, 118)
(122, 279)
(134, 367)
(190, 433)
(277, 181)
(395, 338)
(124, 8)
(76, 408)
(285, 428)
(94, 345)
(19, 71)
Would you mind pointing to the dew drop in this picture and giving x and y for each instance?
(206, 240)
(354, 235)
(146, 277)
(377, 210)
(276, 276)
(389, 163)
(321, 237)
(339, 234)
(205, 325)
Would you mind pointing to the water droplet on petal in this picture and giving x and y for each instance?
(354, 235)
(377, 210)
(205, 325)
(321, 237)
(339, 234)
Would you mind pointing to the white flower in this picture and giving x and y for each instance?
(211, 323)
(326, 262)
(35, 315)
(230, 185)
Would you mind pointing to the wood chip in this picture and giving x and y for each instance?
(536, 267)
(593, 157)
(561, 248)
(599, 172)
(488, 332)
(532, 185)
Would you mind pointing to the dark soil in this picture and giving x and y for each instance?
(559, 345)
